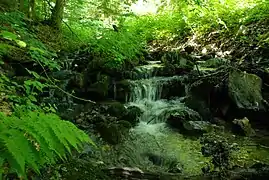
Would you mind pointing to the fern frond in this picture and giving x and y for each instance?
(36, 139)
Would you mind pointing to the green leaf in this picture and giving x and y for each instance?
(9, 35)
(32, 98)
(21, 43)
(37, 49)
(37, 76)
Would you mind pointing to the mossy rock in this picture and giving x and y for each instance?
(214, 63)
(13, 54)
(116, 109)
(245, 90)
(133, 115)
(100, 88)
(200, 105)
(114, 132)
(178, 117)
(5, 107)
(243, 127)
(123, 88)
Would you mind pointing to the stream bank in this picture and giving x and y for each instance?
(158, 131)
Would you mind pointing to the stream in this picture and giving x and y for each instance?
(153, 146)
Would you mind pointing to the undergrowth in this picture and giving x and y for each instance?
(34, 139)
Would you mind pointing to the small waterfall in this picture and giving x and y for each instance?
(152, 135)
(148, 89)
(146, 94)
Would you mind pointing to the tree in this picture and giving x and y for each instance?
(21, 5)
(31, 9)
(57, 14)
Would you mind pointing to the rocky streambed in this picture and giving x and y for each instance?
(173, 127)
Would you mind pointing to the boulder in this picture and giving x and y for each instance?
(99, 89)
(189, 122)
(198, 104)
(173, 87)
(245, 90)
(169, 162)
(122, 89)
(195, 127)
(243, 127)
(214, 62)
(113, 132)
(115, 108)
(177, 117)
(199, 97)
(133, 114)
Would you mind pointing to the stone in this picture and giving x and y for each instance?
(116, 109)
(243, 127)
(189, 122)
(195, 127)
(99, 89)
(122, 89)
(214, 62)
(179, 117)
(133, 114)
(245, 90)
(198, 104)
(174, 87)
(167, 161)
(113, 132)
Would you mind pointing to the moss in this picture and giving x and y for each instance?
(245, 89)
(4, 48)
(113, 132)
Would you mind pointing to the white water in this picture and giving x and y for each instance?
(152, 135)
(146, 94)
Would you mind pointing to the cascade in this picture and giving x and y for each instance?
(146, 94)
(152, 135)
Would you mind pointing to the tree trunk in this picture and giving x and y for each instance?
(21, 5)
(31, 9)
(57, 14)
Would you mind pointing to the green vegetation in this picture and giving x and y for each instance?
(56, 55)
(32, 140)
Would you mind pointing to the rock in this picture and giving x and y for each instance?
(195, 127)
(123, 88)
(199, 97)
(133, 115)
(115, 108)
(214, 63)
(113, 132)
(100, 88)
(243, 127)
(173, 87)
(184, 114)
(245, 90)
(169, 162)
(188, 122)
(5, 106)
(198, 104)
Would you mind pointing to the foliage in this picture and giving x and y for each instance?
(221, 150)
(34, 139)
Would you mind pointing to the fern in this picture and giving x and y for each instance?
(36, 139)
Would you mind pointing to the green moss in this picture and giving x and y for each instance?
(245, 89)
(249, 153)
(5, 48)
(188, 151)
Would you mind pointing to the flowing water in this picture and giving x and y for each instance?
(152, 135)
